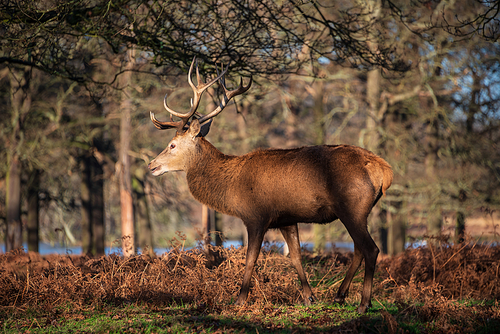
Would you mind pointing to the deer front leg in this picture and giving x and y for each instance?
(291, 235)
(255, 237)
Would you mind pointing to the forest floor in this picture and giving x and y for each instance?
(440, 288)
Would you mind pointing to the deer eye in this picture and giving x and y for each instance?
(172, 146)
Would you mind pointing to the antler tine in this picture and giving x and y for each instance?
(195, 101)
(187, 115)
(171, 111)
(228, 95)
(222, 80)
(198, 90)
(164, 125)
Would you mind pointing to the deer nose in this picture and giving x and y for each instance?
(152, 168)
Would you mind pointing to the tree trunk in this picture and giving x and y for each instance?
(373, 119)
(320, 231)
(144, 229)
(473, 109)
(460, 227)
(97, 206)
(92, 212)
(372, 141)
(243, 134)
(86, 212)
(435, 220)
(126, 205)
(397, 236)
(397, 229)
(13, 235)
(384, 231)
(215, 216)
(218, 228)
(205, 227)
(21, 104)
(33, 226)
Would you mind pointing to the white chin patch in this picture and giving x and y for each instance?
(158, 171)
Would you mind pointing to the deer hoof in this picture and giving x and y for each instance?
(309, 300)
(339, 300)
(362, 309)
(240, 301)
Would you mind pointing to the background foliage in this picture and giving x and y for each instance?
(434, 116)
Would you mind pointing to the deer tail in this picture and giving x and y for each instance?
(387, 176)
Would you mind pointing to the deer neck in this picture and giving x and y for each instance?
(210, 176)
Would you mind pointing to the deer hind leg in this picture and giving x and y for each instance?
(370, 253)
(364, 247)
(344, 287)
(291, 235)
(255, 238)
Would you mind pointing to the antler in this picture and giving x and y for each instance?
(228, 94)
(198, 91)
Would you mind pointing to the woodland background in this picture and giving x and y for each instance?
(417, 82)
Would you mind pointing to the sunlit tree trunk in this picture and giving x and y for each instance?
(126, 204)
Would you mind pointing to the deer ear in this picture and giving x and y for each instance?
(205, 128)
(194, 128)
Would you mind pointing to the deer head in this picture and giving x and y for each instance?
(182, 147)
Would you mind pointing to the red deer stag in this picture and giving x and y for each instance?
(278, 188)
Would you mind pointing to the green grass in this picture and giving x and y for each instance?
(270, 318)
(180, 319)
